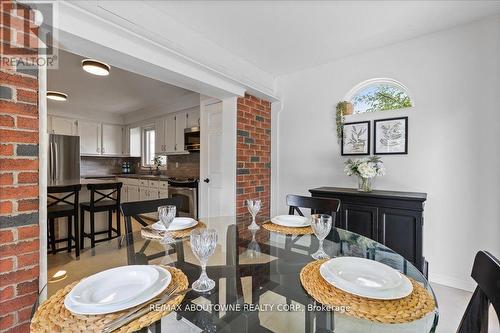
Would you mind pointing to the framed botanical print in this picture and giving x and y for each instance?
(356, 138)
(391, 136)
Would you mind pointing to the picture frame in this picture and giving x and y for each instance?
(356, 137)
(390, 136)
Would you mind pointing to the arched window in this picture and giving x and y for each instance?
(379, 95)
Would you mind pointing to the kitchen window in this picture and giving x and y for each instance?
(148, 151)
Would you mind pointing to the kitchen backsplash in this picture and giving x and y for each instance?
(103, 166)
(183, 165)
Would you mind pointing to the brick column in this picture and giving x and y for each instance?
(19, 243)
(253, 155)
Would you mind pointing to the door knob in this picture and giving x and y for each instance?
(206, 180)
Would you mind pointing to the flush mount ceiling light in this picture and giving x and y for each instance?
(57, 96)
(95, 67)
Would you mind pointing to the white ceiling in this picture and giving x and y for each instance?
(121, 92)
(282, 37)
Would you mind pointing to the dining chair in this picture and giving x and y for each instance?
(486, 272)
(103, 198)
(63, 203)
(316, 205)
(136, 211)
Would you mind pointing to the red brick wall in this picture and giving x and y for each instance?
(19, 244)
(253, 155)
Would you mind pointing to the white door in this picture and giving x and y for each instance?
(211, 198)
(133, 193)
(90, 137)
(180, 125)
(64, 126)
(169, 132)
(112, 139)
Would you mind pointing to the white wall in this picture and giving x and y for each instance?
(454, 154)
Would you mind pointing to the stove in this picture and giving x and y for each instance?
(187, 190)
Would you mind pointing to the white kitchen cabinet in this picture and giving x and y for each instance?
(180, 125)
(193, 117)
(112, 139)
(162, 194)
(153, 194)
(61, 125)
(133, 193)
(90, 137)
(160, 135)
(126, 140)
(124, 193)
(143, 193)
(169, 132)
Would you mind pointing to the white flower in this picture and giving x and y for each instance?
(366, 170)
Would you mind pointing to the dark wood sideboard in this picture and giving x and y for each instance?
(394, 219)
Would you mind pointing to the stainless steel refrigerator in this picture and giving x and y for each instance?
(64, 158)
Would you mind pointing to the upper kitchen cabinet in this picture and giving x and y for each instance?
(112, 140)
(61, 125)
(90, 137)
(169, 131)
(180, 125)
(193, 117)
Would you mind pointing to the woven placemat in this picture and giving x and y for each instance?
(404, 310)
(150, 233)
(286, 230)
(52, 316)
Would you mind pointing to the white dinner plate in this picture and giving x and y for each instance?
(294, 221)
(114, 285)
(179, 223)
(111, 279)
(366, 278)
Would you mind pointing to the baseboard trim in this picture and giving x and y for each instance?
(449, 281)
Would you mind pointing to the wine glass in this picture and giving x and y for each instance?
(253, 207)
(166, 214)
(253, 248)
(321, 225)
(203, 244)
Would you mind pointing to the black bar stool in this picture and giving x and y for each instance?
(61, 207)
(101, 202)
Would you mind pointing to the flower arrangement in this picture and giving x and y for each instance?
(366, 169)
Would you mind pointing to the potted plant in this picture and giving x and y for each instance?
(342, 109)
(366, 169)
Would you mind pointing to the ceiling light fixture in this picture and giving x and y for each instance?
(57, 96)
(95, 67)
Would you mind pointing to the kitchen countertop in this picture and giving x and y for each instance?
(135, 176)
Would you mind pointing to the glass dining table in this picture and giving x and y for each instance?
(258, 288)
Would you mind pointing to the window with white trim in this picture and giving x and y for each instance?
(379, 95)
(148, 151)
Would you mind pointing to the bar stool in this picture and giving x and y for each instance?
(61, 207)
(101, 202)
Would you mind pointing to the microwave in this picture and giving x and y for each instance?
(192, 139)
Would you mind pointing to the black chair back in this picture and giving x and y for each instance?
(137, 208)
(96, 194)
(68, 190)
(134, 210)
(486, 272)
(316, 205)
